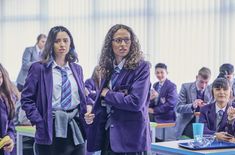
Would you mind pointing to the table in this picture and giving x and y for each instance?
(154, 125)
(20, 132)
(172, 148)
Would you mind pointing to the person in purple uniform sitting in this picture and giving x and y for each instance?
(121, 123)
(7, 112)
(217, 116)
(163, 99)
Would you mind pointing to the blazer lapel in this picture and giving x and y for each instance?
(163, 89)
(121, 77)
(212, 117)
(223, 121)
(48, 82)
(76, 74)
(193, 92)
(207, 95)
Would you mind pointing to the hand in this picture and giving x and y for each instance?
(201, 104)
(231, 113)
(89, 117)
(151, 111)
(153, 94)
(222, 136)
(8, 145)
(104, 92)
(86, 91)
(89, 108)
(196, 103)
(232, 140)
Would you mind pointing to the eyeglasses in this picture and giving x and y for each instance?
(119, 40)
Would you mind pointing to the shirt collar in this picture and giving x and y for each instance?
(38, 49)
(120, 65)
(66, 66)
(218, 108)
(162, 82)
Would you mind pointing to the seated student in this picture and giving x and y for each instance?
(92, 84)
(163, 98)
(192, 96)
(214, 115)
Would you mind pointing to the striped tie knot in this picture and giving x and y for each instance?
(220, 113)
(66, 92)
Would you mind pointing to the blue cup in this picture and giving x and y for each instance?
(198, 131)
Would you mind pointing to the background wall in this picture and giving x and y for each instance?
(184, 34)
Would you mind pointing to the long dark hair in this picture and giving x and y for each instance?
(107, 55)
(6, 92)
(49, 54)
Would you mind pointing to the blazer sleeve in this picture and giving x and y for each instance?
(29, 94)
(26, 59)
(203, 119)
(182, 105)
(138, 93)
(11, 129)
(170, 103)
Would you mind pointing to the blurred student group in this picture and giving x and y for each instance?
(112, 111)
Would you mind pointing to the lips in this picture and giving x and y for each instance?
(61, 50)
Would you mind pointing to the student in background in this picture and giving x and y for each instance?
(121, 123)
(163, 99)
(191, 98)
(227, 71)
(216, 116)
(53, 97)
(31, 55)
(7, 111)
(92, 84)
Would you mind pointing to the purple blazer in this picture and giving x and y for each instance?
(129, 130)
(7, 125)
(92, 88)
(208, 117)
(36, 99)
(167, 100)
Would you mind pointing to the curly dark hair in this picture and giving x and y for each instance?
(107, 55)
(49, 54)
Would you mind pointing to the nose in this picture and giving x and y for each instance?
(62, 44)
(123, 42)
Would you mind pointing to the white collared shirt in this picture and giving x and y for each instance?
(57, 86)
(120, 66)
(217, 108)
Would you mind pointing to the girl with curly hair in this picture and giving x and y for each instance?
(121, 123)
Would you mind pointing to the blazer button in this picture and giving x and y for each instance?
(111, 125)
(112, 111)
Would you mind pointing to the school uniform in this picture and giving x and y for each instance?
(184, 108)
(213, 120)
(164, 108)
(41, 102)
(6, 125)
(92, 88)
(121, 123)
(165, 103)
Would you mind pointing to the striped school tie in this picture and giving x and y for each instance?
(66, 93)
(114, 76)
